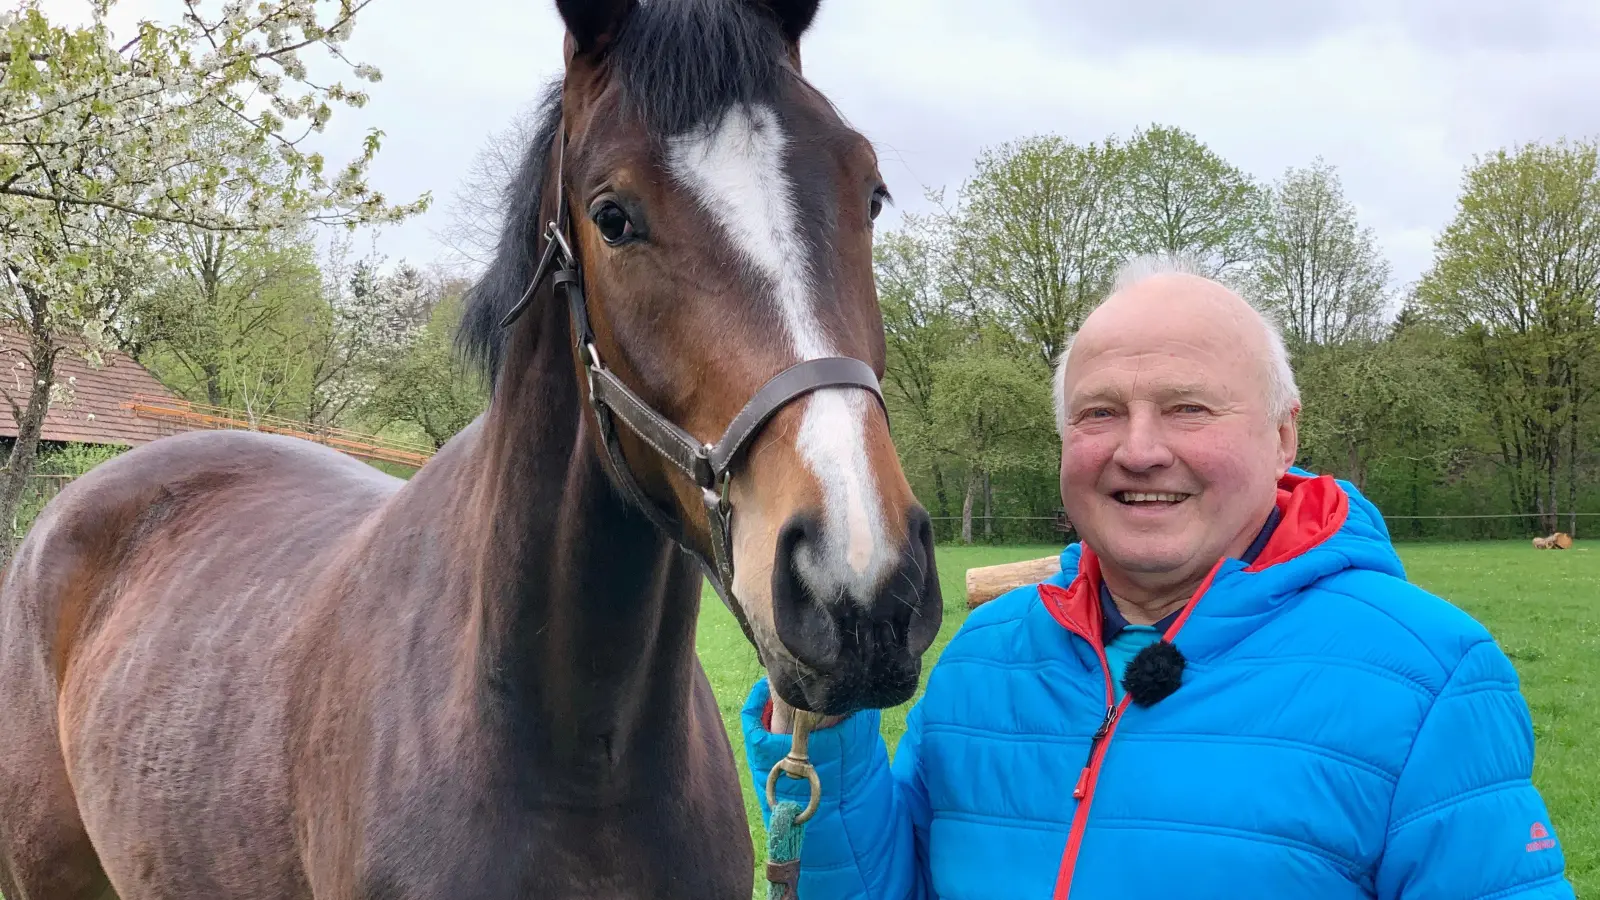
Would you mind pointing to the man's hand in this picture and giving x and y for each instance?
(783, 717)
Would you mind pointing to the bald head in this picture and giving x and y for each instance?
(1176, 406)
(1160, 300)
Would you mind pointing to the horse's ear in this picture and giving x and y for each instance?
(593, 24)
(794, 16)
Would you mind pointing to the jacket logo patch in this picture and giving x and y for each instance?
(1539, 838)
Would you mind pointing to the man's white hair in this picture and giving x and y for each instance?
(1283, 395)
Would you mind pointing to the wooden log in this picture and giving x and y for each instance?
(1562, 540)
(988, 582)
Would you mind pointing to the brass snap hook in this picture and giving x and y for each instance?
(798, 765)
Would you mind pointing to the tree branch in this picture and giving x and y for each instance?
(132, 211)
(290, 48)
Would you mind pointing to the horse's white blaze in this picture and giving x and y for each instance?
(736, 170)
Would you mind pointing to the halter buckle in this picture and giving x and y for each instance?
(552, 233)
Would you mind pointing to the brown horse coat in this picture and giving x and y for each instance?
(242, 666)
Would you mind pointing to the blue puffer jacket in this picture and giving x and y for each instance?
(1339, 733)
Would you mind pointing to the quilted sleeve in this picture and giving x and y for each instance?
(859, 845)
(1467, 822)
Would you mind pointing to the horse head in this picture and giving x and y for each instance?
(715, 228)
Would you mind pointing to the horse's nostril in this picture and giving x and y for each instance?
(925, 626)
(901, 614)
(804, 622)
(911, 600)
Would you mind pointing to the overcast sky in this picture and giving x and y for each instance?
(1397, 94)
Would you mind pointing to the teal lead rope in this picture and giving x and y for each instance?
(786, 831)
(783, 852)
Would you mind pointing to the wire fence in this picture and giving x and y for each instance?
(1439, 527)
(1055, 531)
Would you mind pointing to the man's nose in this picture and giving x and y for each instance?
(1144, 445)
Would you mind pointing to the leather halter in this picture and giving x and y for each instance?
(709, 466)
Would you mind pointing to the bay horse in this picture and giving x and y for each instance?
(242, 666)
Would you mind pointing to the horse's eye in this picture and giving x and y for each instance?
(880, 196)
(613, 222)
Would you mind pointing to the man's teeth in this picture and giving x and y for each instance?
(1145, 497)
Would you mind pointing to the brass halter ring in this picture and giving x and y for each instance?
(797, 765)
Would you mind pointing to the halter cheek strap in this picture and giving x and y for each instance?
(709, 466)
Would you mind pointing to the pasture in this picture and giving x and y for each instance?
(1542, 606)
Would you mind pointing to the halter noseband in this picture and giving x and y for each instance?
(709, 466)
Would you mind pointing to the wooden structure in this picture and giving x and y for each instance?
(184, 415)
(988, 582)
(1558, 541)
(120, 403)
(97, 412)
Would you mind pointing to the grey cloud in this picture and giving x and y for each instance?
(1256, 25)
(1219, 26)
(1398, 96)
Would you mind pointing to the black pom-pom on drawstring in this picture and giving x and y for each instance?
(1154, 673)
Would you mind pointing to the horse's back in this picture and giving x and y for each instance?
(234, 503)
(146, 630)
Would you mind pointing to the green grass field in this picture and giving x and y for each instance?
(1543, 608)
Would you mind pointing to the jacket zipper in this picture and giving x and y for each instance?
(1106, 724)
(1083, 791)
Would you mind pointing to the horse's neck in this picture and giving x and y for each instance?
(586, 613)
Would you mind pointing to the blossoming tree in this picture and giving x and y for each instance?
(106, 144)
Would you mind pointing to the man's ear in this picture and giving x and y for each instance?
(593, 24)
(1288, 441)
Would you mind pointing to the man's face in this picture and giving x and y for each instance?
(1170, 458)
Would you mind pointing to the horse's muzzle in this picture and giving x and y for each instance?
(854, 652)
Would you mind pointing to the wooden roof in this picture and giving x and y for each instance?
(98, 411)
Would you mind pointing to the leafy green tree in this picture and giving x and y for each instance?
(925, 322)
(223, 325)
(1517, 274)
(1317, 269)
(425, 384)
(104, 144)
(1184, 198)
(1394, 398)
(368, 320)
(1039, 234)
(992, 415)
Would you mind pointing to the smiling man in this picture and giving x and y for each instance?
(1230, 690)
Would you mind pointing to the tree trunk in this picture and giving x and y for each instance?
(1552, 474)
(213, 385)
(941, 494)
(966, 508)
(1572, 460)
(1353, 464)
(1416, 500)
(18, 471)
(988, 508)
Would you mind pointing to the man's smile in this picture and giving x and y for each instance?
(1150, 499)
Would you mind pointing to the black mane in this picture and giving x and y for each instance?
(680, 65)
